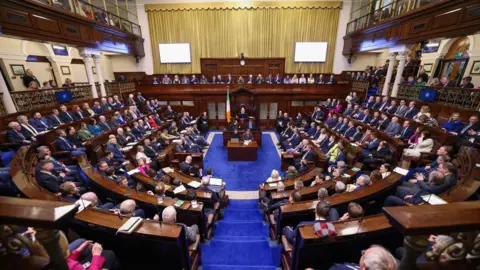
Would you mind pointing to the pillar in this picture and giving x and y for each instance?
(88, 67)
(96, 61)
(398, 77)
(388, 77)
(6, 97)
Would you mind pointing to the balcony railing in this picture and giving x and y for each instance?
(116, 16)
(34, 99)
(453, 96)
(119, 88)
(390, 10)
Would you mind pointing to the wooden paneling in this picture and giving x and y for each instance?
(223, 66)
(445, 19)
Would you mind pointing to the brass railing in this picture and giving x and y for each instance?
(390, 10)
(34, 99)
(360, 86)
(453, 96)
(3, 110)
(119, 88)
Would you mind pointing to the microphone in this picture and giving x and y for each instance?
(359, 225)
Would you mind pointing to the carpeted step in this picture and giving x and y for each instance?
(234, 228)
(236, 267)
(243, 204)
(254, 252)
(243, 214)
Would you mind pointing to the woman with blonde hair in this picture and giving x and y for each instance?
(274, 177)
(453, 125)
(425, 110)
(33, 85)
(83, 133)
(434, 82)
(294, 79)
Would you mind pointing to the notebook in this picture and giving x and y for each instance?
(400, 171)
(216, 181)
(433, 199)
(234, 140)
(179, 189)
(194, 184)
(134, 171)
(167, 170)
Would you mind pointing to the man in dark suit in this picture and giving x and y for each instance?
(104, 107)
(139, 99)
(103, 124)
(381, 153)
(370, 102)
(467, 82)
(317, 114)
(373, 144)
(247, 136)
(349, 110)
(46, 179)
(169, 215)
(259, 79)
(469, 135)
(309, 155)
(383, 122)
(357, 135)
(406, 132)
(332, 80)
(65, 116)
(322, 211)
(168, 112)
(350, 130)
(55, 119)
(366, 117)
(39, 123)
(63, 144)
(393, 128)
(411, 111)
(229, 79)
(384, 104)
(445, 82)
(391, 109)
(401, 109)
(15, 136)
(251, 125)
(188, 169)
(377, 103)
(293, 141)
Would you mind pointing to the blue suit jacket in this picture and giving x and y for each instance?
(410, 114)
(365, 119)
(66, 117)
(372, 145)
(63, 144)
(349, 132)
(48, 182)
(37, 124)
(15, 137)
(331, 122)
(406, 133)
(311, 131)
(117, 154)
(295, 140)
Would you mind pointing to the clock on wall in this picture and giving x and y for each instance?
(242, 59)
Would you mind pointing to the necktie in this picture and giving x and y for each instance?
(403, 132)
(71, 118)
(43, 123)
(58, 120)
(65, 140)
(31, 129)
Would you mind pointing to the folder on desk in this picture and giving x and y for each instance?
(130, 225)
(194, 184)
(167, 170)
(216, 181)
(401, 171)
(134, 171)
(179, 189)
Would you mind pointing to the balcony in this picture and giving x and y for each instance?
(376, 12)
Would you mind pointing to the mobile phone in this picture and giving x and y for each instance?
(86, 265)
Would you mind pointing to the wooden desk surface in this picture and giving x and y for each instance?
(252, 144)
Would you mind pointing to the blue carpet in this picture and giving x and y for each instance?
(242, 175)
(240, 241)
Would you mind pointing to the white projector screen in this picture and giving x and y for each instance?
(310, 51)
(174, 53)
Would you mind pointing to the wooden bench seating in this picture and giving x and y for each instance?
(306, 178)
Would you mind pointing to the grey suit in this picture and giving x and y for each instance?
(393, 129)
(401, 110)
(191, 233)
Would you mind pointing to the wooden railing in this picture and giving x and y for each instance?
(119, 88)
(34, 99)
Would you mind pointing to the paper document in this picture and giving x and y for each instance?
(179, 189)
(82, 205)
(216, 181)
(131, 143)
(433, 199)
(134, 171)
(272, 185)
(130, 225)
(126, 148)
(167, 170)
(194, 184)
(400, 171)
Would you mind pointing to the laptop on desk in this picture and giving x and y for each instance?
(234, 140)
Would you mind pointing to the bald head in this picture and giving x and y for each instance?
(377, 257)
(169, 215)
(91, 197)
(127, 207)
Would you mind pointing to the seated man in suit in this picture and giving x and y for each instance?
(187, 168)
(383, 122)
(401, 109)
(103, 124)
(287, 133)
(349, 110)
(27, 130)
(259, 79)
(128, 209)
(55, 118)
(45, 177)
(235, 134)
(169, 215)
(112, 147)
(372, 144)
(251, 125)
(242, 114)
(247, 136)
(366, 117)
(234, 125)
(322, 211)
(293, 141)
(369, 103)
(39, 123)
(357, 135)
(63, 144)
(190, 145)
(332, 120)
(15, 136)
(317, 114)
(350, 131)
(391, 108)
(393, 129)
(363, 181)
(412, 195)
(332, 80)
(309, 155)
(383, 104)
(374, 122)
(406, 132)
(66, 116)
(378, 155)
(411, 111)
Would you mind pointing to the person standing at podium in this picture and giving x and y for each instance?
(247, 136)
(243, 114)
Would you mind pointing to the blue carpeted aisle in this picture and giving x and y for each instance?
(242, 175)
(241, 240)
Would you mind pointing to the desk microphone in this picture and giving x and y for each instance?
(359, 225)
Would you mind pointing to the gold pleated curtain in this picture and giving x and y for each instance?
(220, 30)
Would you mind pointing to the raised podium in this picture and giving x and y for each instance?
(238, 151)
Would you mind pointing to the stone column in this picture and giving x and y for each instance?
(88, 67)
(388, 77)
(96, 61)
(401, 66)
(6, 97)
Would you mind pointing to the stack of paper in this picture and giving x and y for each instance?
(433, 199)
(132, 144)
(179, 189)
(216, 181)
(272, 185)
(168, 170)
(194, 184)
(134, 171)
(401, 171)
(82, 205)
